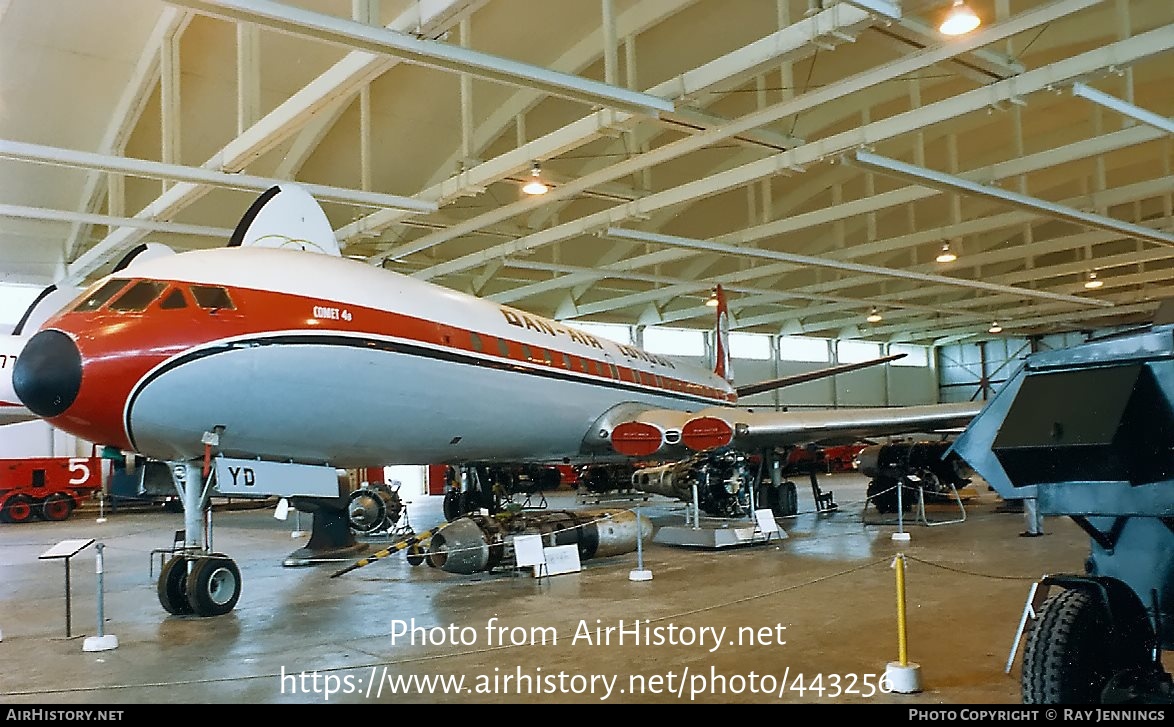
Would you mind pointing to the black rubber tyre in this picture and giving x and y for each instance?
(1069, 657)
(452, 505)
(214, 586)
(18, 509)
(57, 507)
(783, 500)
(172, 587)
(415, 555)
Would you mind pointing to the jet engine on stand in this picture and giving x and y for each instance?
(478, 543)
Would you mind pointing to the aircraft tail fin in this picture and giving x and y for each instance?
(286, 216)
(721, 337)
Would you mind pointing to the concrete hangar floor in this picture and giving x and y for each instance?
(810, 618)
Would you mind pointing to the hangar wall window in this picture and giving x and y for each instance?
(138, 297)
(101, 295)
(612, 331)
(857, 351)
(803, 348)
(914, 355)
(674, 341)
(750, 345)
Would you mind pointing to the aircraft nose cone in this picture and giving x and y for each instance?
(48, 373)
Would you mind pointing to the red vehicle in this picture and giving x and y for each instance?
(46, 487)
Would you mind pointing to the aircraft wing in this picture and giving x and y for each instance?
(793, 379)
(722, 426)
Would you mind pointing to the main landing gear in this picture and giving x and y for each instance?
(197, 581)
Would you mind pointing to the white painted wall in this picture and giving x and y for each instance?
(38, 439)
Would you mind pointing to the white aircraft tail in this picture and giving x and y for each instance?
(286, 216)
(721, 338)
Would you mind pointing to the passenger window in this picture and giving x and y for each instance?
(503, 348)
(475, 342)
(138, 297)
(101, 295)
(174, 300)
(213, 297)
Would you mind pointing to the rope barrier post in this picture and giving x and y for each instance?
(640, 573)
(902, 676)
(103, 641)
(900, 535)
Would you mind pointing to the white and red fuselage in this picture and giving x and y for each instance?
(296, 356)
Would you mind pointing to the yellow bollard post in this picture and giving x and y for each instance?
(901, 675)
(902, 634)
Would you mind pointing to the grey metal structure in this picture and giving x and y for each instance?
(1087, 432)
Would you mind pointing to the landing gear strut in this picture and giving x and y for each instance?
(197, 581)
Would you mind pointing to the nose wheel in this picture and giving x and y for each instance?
(204, 585)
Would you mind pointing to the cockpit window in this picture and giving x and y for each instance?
(208, 296)
(138, 297)
(174, 300)
(101, 295)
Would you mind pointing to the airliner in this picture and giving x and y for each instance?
(275, 361)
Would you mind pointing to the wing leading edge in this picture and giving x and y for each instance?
(718, 427)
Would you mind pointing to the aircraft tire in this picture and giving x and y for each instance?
(1068, 659)
(452, 505)
(172, 587)
(214, 586)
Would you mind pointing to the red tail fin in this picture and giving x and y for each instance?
(721, 338)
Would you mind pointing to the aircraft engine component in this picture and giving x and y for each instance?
(722, 478)
(1086, 431)
(374, 507)
(477, 543)
(913, 465)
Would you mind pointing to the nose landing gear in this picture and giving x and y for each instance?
(196, 580)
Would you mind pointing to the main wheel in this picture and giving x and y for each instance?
(57, 507)
(214, 586)
(783, 500)
(17, 509)
(1072, 651)
(172, 586)
(452, 505)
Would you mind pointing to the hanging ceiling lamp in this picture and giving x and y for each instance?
(946, 255)
(960, 20)
(1093, 281)
(874, 316)
(535, 185)
(995, 328)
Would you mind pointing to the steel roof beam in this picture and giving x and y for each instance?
(433, 54)
(1123, 107)
(1140, 46)
(952, 183)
